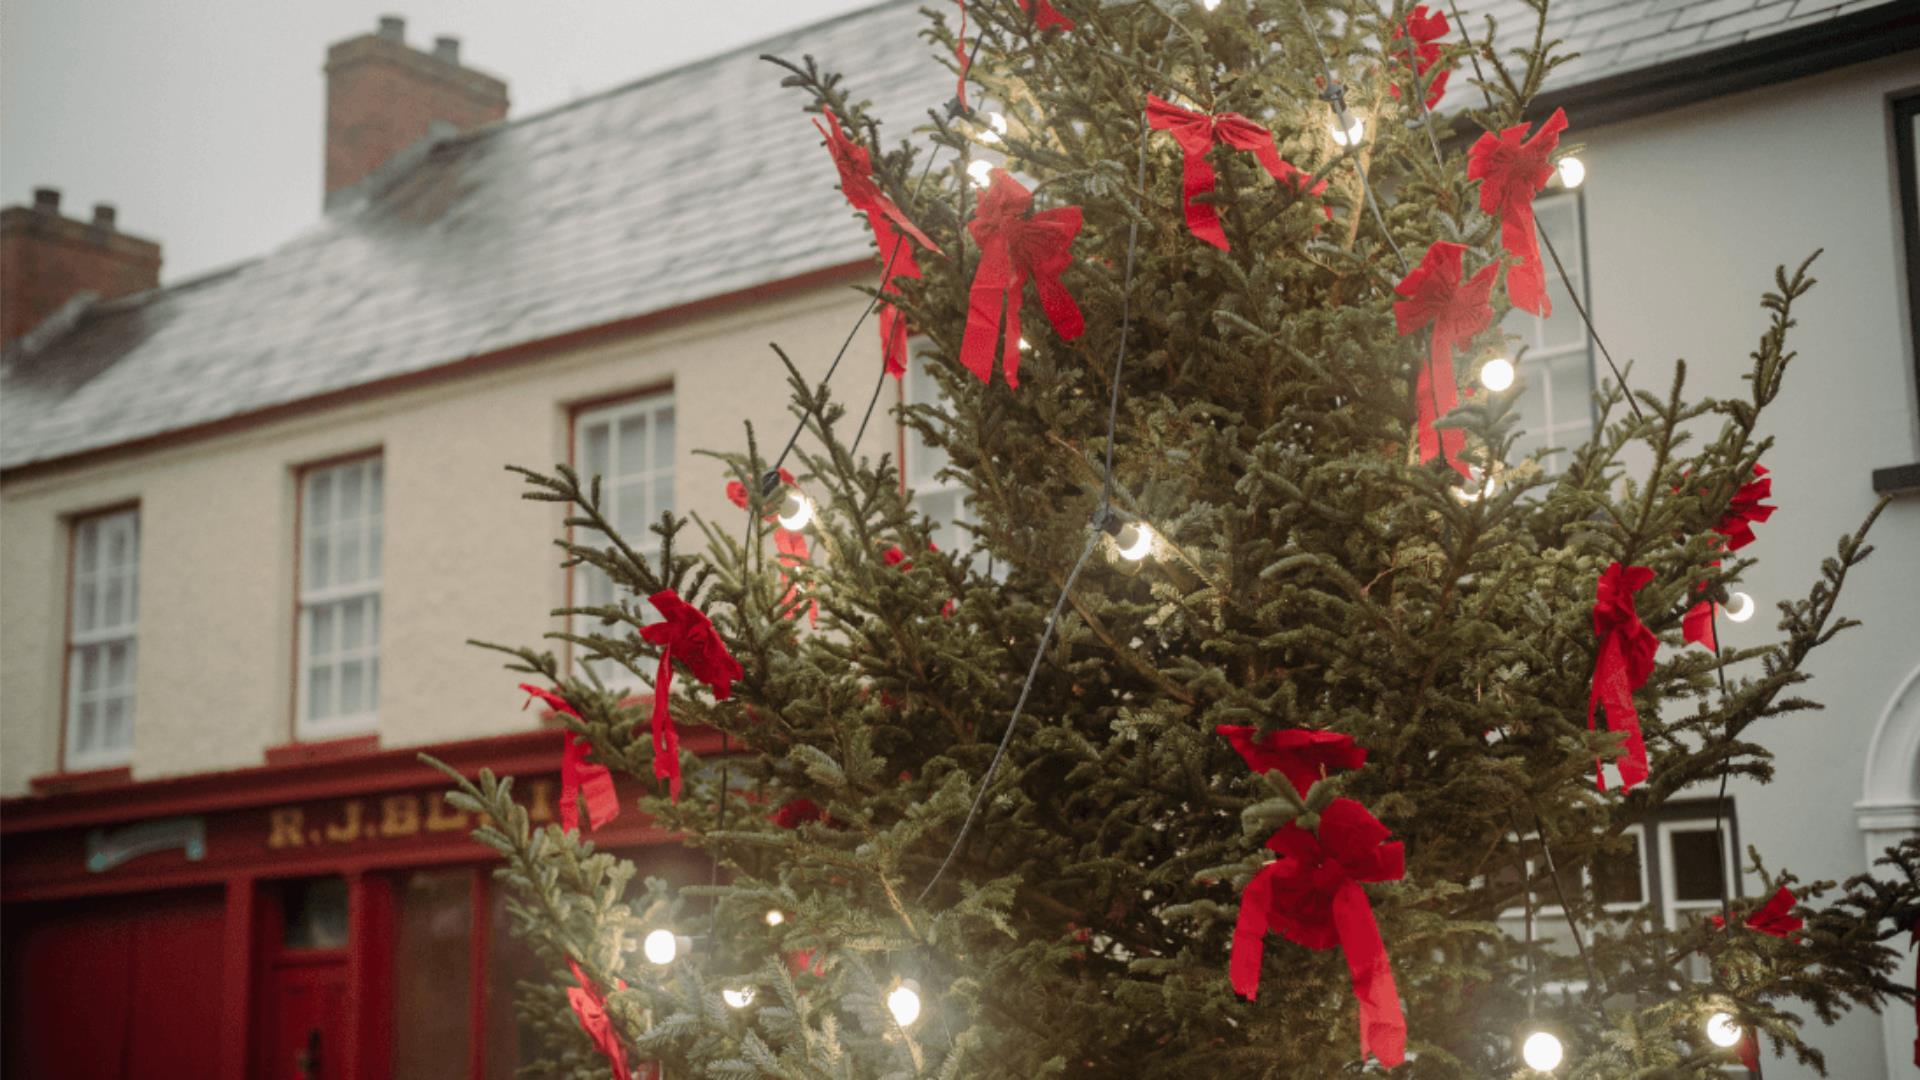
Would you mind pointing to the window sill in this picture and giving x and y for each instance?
(67, 783)
(1897, 480)
(299, 753)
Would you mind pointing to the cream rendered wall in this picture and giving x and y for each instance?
(464, 556)
(1688, 212)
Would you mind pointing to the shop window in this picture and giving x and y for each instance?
(314, 914)
(511, 1040)
(432, 972)
(339, 628)
(629, 446)
(103, 639)
(1556, 371)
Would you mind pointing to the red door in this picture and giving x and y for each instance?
(304, 1034)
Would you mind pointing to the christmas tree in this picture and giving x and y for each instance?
(1277, 682)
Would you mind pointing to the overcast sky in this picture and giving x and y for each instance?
(202, 120)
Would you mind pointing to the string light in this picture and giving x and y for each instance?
(1353, 133)
(1497, 374)
(1573, 171)
(795, 512)
(1543, 1051)
(903, 1001)
(1739, 607)
(981, 172)
(737, 997)
(1025, 345)
(1134, 541)
(1479, 487)
(1722, 1031)
(661, 946)
(775, 916)
(1209, 4)
(995, 127)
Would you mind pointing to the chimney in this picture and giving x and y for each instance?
(383, 96)
(47, 260)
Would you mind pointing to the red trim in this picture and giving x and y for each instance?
(299, 753)
(369, 977)
(236, 979)
(480, 933)
(62, 783)
(512, 354)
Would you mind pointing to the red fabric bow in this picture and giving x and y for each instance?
(1016, 245)
(1736, 530)
(578, 776)
(1624, 663)
(790, 543)
(1311, 895)
(856, 182)
(1512, 169)
(1434, 296)
(1774, 918)
(1045, 15)
(1301, 756)
(688, 634)
(737, 493)
(797, 812)
(1196, 133)
(1425, 30)
(590, 1006)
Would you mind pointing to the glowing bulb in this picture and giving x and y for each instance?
(982, 173)
(795, 512)
(737, 997)
(1542, 1051)
(996, 127)
(1353, 134)
(1721, 1030)
(1209, 4)
(775, 917)
(904, 1003)
(1497, 374)
(1135, 540)
(661, 947)
(1025, 345)
(1739, 607)
(1573, 171)
(1479, 487)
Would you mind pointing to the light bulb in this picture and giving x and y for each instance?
(1542, 1051)
(1135, 541)
(996, 126)
(737, 997)
(1209, 4)
(1739, 607)
(1573, 171)
(661, 947)
(1353, 133)
(775, 917)
(795, 512)
(1497, 374)
(903, 1002)
(1475, 489)
(982, 173)
(1721, 1030)
(1025, 345)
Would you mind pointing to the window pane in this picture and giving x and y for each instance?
(1572, 394)
(319, 568)
(1698, 870)
(86, 598)
(114, 601)
(87, 543)
(316, 913)
(1563, 328)
(352, 687)
(376, 478)
(1557, 220)
(633, 445)
(353, 624)
(1616, 878)
(593, 456)
(320, 499)
(373, 551)
(351, 477)
(944, 508)
(319, 692)
(86, 730)
(663, 438)
(320, 630)
(662, 501)
(432, 973)
(631, 516)
(346, 560)
(114, 723)
(118, 675)
(89, 660)
(373, 620)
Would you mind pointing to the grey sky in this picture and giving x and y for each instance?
(201, 120)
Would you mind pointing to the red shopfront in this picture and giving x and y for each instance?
(331, 920)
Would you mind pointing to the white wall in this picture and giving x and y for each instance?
(1687, 215)
(465, 557)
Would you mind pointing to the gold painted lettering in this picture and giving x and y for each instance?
(284, 828)
(444, 818)
(347, 829)
(399, 815)
(540, 801)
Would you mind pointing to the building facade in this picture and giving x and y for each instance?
(248, 522)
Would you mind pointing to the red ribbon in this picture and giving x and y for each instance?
(1774, 918)
(689, 633)
(590, 1007)
(1045, 15)
(1623, 666)
(1303, 757)
(1311, 896)
(790, 543)
(578, 776)
(966, 58)
(1735, 529)
(1697, 625)
(1196, 133)
(1434, 296)
(1512, 169)
(1425, 30)
(1016, 245)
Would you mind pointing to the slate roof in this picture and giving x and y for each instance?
(688, 185)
